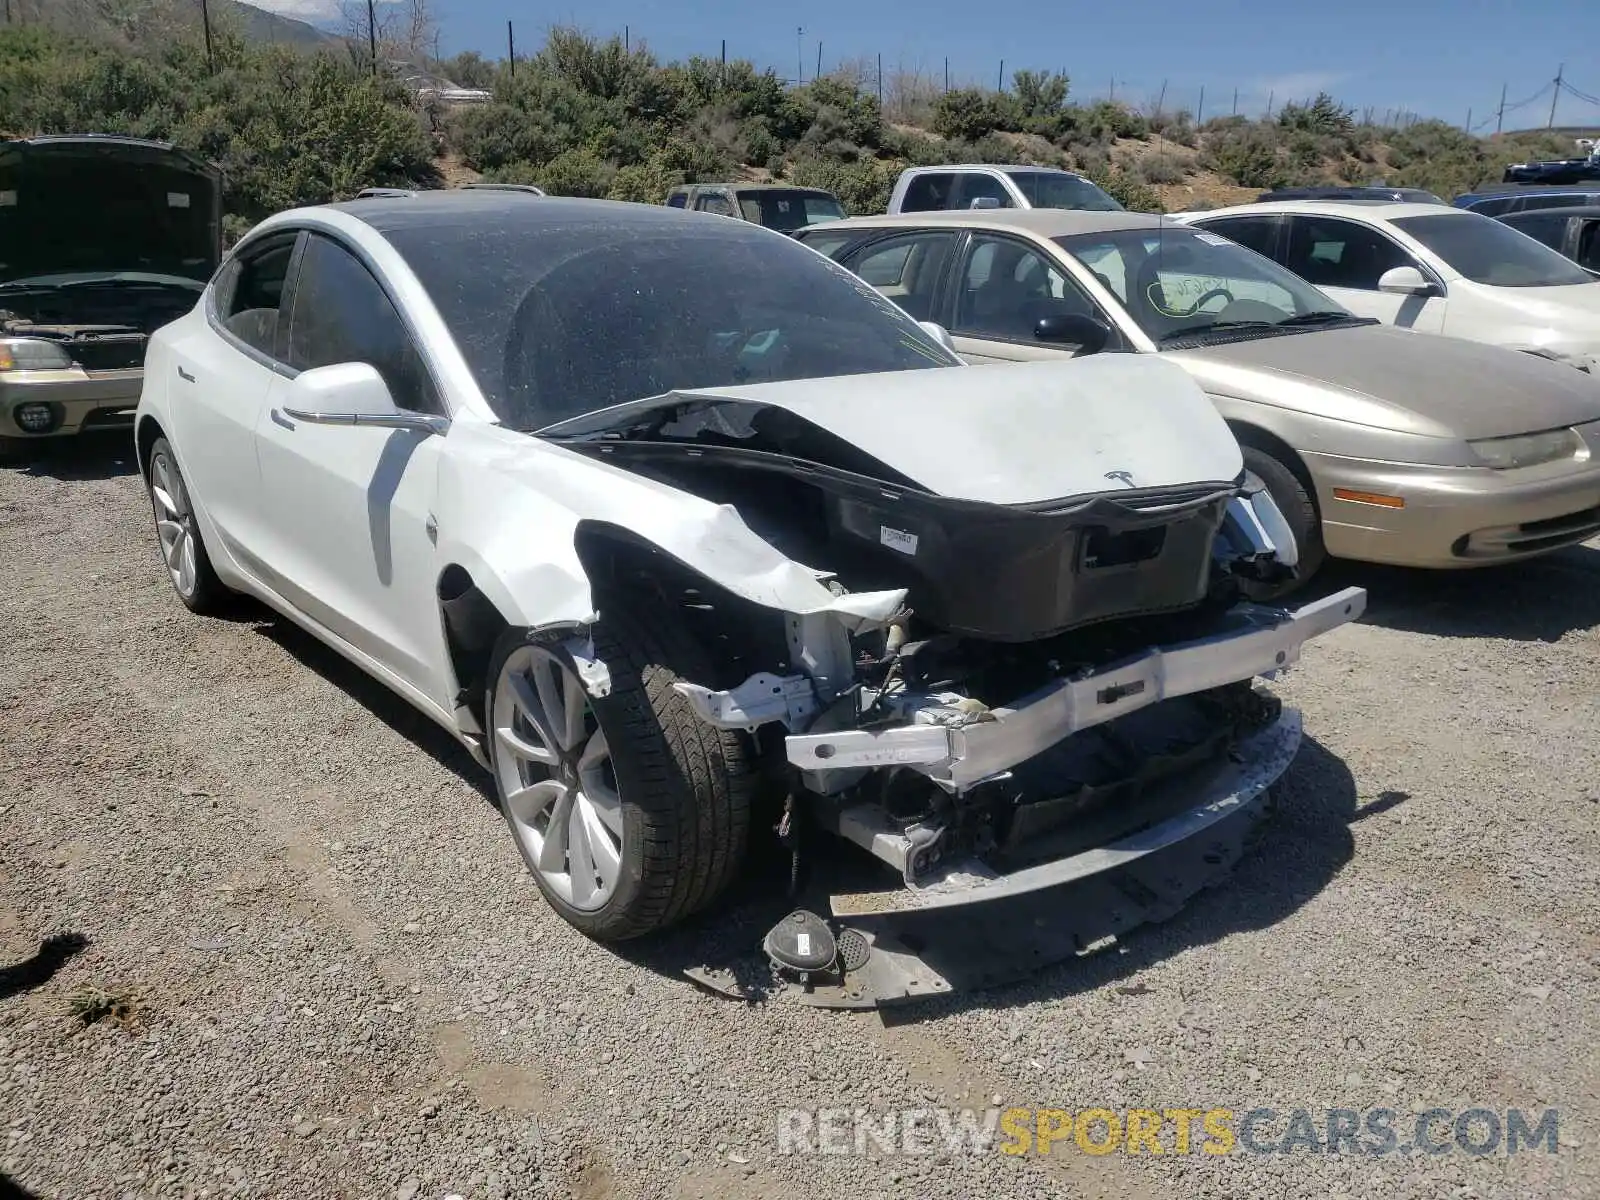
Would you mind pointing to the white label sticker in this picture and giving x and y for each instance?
(8, 198)
(1212, 239)
(803, 941)
(177, 199)
(898, 539)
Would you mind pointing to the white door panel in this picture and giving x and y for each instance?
(217, 393)
(349, 511)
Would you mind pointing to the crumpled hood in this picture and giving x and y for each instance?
(1421, 383)
(1012, 433)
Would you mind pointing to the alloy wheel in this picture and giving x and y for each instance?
(174, 524)
(556, 778)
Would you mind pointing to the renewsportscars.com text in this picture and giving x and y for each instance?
(1212, 1131)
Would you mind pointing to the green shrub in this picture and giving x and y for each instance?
(1248, 155)
(966, 114)
(1128, 191)
(1324, 115)
(1160, 166)
(576, 173)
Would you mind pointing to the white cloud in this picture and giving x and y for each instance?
(315, 11)
(302, 10)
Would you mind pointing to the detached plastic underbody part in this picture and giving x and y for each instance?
(1058, 734)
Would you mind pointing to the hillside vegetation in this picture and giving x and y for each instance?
(583, 116)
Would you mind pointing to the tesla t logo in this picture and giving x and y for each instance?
(1124, 477)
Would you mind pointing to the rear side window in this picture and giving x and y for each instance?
(1550, 230)
(1254, 233)
(829, 244)
(1589, 245)
(928, 193)
(341, 314)
(1495, 205)
(1565, 200)
(678, 200)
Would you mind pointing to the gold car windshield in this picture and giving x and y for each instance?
(1180, 283)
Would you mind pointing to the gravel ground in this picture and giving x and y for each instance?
(336, 978)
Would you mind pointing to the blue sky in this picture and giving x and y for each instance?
(1433, 57)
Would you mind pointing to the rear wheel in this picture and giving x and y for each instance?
(630, 811)
(1299, 509)
(182, 550)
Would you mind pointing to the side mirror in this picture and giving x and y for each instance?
(1404, 281)
(985, 202)
(939, 334)
(1089, 334)
(352, 394)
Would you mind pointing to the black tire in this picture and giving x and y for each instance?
(1299, 509)
(14, 450)
(686, 788)
(209, 594)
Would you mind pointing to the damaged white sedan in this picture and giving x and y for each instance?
(687, 534)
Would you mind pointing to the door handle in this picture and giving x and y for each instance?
(185, 376)
(278, 417)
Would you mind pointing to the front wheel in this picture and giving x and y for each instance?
(1299, 510)
(182, 550)
(631, 813)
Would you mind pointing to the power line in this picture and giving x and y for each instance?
(1584, 96)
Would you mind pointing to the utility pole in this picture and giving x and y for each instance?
(1000, 79)
(372, 36)
(947, 72)
(1271, 96)
(799, 54)
(205, 20)
(511, 48)
(1556, 95)
(1500, 114)
(1201, 107)
(1162, 99)
(627, 43)
(818, 75)
(1468, 125)
(880, 82)
(722, 71)
(1235, 102)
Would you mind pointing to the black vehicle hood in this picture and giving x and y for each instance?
(100, 205)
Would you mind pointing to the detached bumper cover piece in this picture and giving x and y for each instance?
(1266, 641)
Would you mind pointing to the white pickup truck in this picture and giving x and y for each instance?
(976, 185)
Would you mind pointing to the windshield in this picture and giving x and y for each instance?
(1056, 189)
(788, 210)
(1487, 251)
(557, 320)
(1177, 282)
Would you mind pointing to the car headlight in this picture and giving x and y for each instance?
(1529, 449)
(32, 354)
